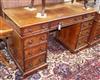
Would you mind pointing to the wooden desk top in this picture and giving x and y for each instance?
(5, 29)
(22, 17)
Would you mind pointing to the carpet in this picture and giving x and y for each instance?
(62, 65)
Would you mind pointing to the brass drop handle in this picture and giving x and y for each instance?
(43, 26)
(90, 23)
(30, 53)
(30, 42)
(25, 30)
(30, 30)
(75, 19)
(42, 49)
(85, 16)
(42, 38)
(41, 59)
(30, 65)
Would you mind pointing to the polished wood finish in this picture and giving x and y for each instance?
(68, 36)
(59, 11)
(32, 32)
(34, 40)
(75, 37)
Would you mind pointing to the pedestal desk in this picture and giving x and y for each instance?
(31, 33)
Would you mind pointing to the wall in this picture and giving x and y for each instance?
(16, 3)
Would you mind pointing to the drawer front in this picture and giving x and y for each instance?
(36, 39)
(54, 24)
(88, 16)
(65, 22)
(97, 37)
(35, 62)
(85, 33)
(81, 42)
(34, 29)
(69, 21)
(86, 25)
(36, 50)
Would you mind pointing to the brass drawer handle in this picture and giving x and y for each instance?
(30, 53)
(75, 19)
(84, 16)
(41, 59)
(30, 65)
(29, 30)
(90, 23)
(42, 38)
(25, 30)
(30, 42)
(42, 49)
(43, 27)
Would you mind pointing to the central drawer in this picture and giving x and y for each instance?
(35, 62)
(36, 50)
(70, 21)
(35, 39)
(88, 16)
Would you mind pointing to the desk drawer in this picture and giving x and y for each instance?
(54, 24)
(82, 41)
(35, 50)
(85, 33)
(34, 29)
(35, 62)
(97, 37)
(69, 21)
(35, 39)
(86, 25)
(88, 16)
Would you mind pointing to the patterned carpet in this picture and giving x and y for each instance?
(62, 65)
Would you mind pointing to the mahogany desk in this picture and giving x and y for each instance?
(31, 34)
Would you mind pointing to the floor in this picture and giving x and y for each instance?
(62, 65)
